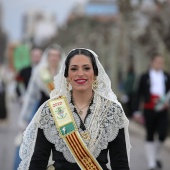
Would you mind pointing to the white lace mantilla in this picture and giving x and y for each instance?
(103, 124)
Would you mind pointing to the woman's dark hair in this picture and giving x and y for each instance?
(77, 52)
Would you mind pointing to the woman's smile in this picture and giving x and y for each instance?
(80, 81)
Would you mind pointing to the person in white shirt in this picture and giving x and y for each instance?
(153, 86)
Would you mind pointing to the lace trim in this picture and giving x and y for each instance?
(27, 147)
(106, 118)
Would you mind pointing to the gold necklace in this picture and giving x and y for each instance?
(80, 109)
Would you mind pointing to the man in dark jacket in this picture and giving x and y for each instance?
(25, 74)
(153, 86)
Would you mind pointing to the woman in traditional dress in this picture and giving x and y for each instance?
(41, 83)
(80, 124)
(39, 88)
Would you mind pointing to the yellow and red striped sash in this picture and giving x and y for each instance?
(66, 126)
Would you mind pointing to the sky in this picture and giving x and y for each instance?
(13, 11)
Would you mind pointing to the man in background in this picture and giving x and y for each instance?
(153, 86)
(25, 74)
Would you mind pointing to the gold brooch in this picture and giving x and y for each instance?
(85, 135)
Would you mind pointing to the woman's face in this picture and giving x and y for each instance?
(53, 57)
(81, 73)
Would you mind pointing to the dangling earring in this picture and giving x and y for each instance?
(67, 86)
(95, 85)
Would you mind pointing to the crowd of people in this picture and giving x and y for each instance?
(71, 118)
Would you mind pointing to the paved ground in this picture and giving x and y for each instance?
(8, 132)
(138, 157)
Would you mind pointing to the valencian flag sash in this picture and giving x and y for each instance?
(67, 128)
(46, 78)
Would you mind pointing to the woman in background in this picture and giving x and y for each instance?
(41, 83)
(39, 88)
